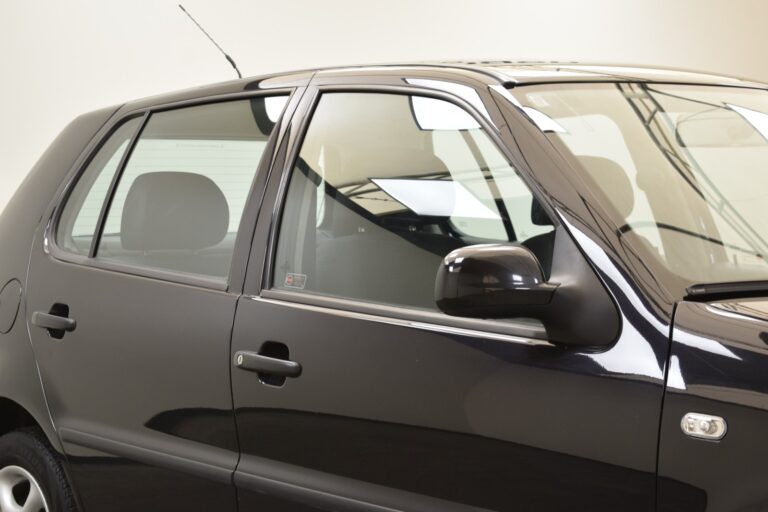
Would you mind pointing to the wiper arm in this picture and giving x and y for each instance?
(735, 290)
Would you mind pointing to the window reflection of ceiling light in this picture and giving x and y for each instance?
(437, 198)
(757, 119)
(274, 105)
(465, 92)
(543, 121)
(434, 114)
(540, 119)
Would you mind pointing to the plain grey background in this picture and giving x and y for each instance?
(62, 58)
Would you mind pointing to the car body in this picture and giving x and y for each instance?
(180, 355)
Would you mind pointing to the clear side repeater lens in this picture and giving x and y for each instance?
(703, 426)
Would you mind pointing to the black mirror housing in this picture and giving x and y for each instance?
(505, 281)
(492, 281)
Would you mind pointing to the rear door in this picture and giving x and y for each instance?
(352, 392)
(132, 293)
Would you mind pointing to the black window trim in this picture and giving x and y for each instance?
(408, 316)
(116, 178)
(254, 196)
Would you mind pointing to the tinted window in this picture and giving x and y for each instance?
(384, 187)
(180, 198)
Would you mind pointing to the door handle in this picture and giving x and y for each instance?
(56, 322)
(254, 362)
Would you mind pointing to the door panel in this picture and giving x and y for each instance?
(397, 406)
(491, 424)
(132, 300)
(145, 367)
(717, 368)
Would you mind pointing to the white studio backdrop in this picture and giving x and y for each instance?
(60, 59)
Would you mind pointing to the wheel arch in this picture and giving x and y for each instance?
(13, 416)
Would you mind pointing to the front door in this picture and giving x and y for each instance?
(131, 306)
(353, 392)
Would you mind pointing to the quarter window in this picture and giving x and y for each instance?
(384, 187)
(77, 224)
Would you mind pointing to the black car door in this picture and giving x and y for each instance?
(132, 292)
(353, 392)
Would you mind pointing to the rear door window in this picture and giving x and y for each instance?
(178, 202)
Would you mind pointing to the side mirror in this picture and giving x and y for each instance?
(492, 281)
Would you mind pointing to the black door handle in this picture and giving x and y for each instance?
(56, 322)
(254, 362)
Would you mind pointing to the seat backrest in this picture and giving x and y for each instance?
(377, 265)
(360, 258)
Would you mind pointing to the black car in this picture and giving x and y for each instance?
(435, 287)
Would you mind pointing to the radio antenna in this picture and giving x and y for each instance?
(229, 59)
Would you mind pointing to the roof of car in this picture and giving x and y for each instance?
(507, 72)
(529, 72)
(534, 72)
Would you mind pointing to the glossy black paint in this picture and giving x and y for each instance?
(718, 366)
(136, 350)
(371, 384)
(498, 281)
(22, 216)
(491, 281)
(393, 409)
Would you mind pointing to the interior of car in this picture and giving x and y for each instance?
(178, 201)
(373, 208)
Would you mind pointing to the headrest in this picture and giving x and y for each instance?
(173, 210)
(612, 181)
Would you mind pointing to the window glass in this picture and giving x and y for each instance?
(180, 198)
(679, 168)
(77, 224)
(599, 136)
(385, 187)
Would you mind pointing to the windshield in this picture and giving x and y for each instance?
(683, 169)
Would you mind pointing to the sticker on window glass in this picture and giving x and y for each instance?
(298, 281)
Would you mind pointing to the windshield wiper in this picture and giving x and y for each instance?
(735, 290)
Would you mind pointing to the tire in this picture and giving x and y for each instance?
(31, 472)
